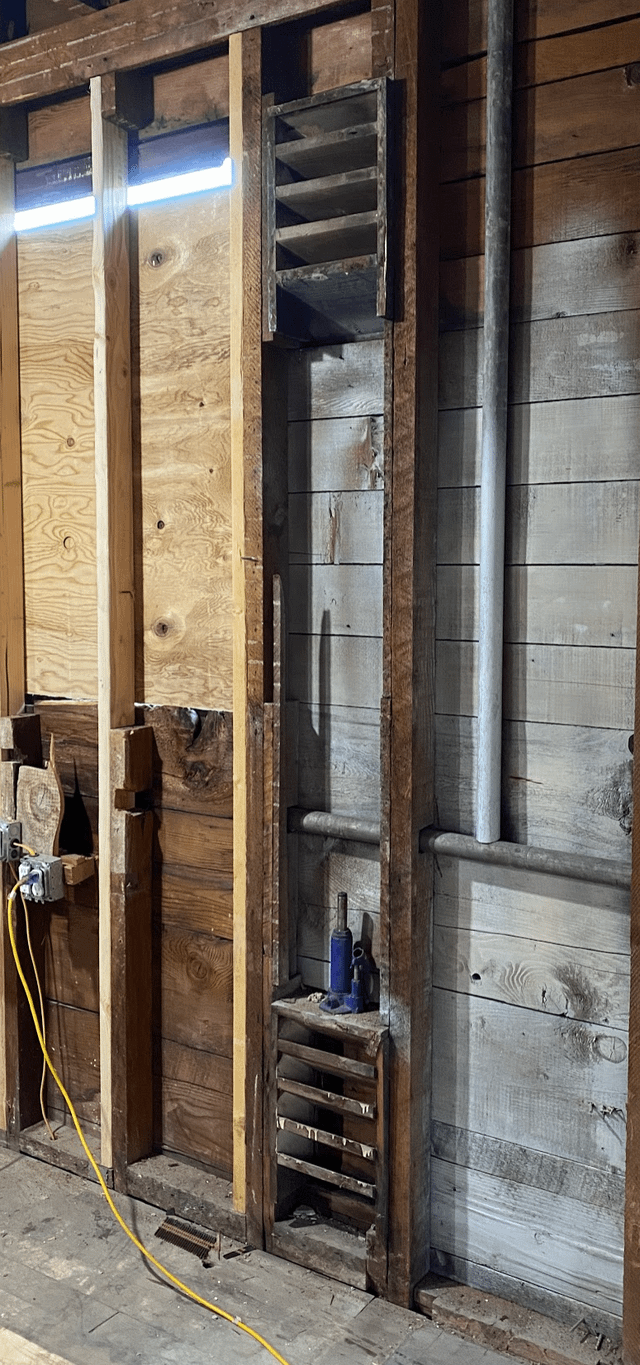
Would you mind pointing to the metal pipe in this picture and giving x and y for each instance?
(333, 826)
(494, 415)
(602, 871)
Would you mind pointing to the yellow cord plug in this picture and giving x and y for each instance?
(204, 1303)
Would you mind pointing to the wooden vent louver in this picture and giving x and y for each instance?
(326, 214)
(329, 1087)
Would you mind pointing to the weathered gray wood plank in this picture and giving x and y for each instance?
(335, 599)
(339, 760)
(583, 357)
(591, 275)
(337, 381)
(565, 685)
(529, 1233)
(572, 523)
(558, 1087)
(337, 669)
(557, 442)
(509, 1161)
(335, 528)
(344, 452)
(551, 978)
(572, 605)
(483, 899)
(564, 786)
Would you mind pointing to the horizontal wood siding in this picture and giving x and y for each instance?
(336, 488)
(193, 927)
(531, 973)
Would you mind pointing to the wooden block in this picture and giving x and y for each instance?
(77, 868)
(20, 736)
(127, 99)
(39, 807)
(131, 759)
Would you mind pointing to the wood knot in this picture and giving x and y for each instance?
(156, 258)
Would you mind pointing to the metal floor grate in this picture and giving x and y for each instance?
(180, 1234)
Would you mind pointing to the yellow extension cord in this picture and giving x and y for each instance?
(204, 1303)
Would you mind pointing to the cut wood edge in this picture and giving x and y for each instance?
(501, 1325)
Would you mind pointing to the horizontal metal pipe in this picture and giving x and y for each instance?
(604, 871)
(333, 826)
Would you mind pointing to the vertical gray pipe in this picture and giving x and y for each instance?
(494, 415)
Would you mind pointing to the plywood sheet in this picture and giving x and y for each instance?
(184, 562)
(56, 376)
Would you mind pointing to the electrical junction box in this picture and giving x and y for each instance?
(46, 879)
(10, 836)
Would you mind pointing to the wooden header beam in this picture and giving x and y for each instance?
(136, 34)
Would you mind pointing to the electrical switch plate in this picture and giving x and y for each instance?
(46, 879)
(10, 836)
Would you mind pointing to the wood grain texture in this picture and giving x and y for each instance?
(546, 1237)
(564, 786)
(551, 59)
(631, 1313)
(577, 605)
(571, 440)
(598, 275)
(73, 1042)
(71, 956)
(582, 357)
(572, 523)
(339, 760)
(571, 118)
(508, 1161)
(561, 685)
(197, 990)
(335, 528)
(184, 559)
(338, 381)
(65, 56)
(341, 670)
(556, 201)
(536, 975)
(340, 53)
(465, 23)
(193, 858)
(410, 375)
(336, 453)
(336, 599)
(56, 377)
(245, 129)
(577, 915)
(39, 807)
(561, 1088)
(193, 759)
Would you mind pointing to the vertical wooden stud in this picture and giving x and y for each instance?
(245, 95)
(12, 622)
(124, 835)
(12, 649)
(631, 1291)
(404, 50)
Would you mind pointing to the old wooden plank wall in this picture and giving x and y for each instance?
(193, 928)
(539, 960)
(336, 481)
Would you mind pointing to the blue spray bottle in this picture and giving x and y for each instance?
(341, 955)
